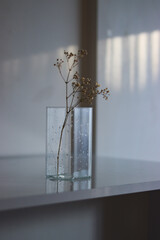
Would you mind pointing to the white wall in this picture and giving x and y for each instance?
(128, 125)
(33, 35)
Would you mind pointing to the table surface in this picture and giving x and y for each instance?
(23, 182)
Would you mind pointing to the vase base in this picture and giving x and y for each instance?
(65, 177)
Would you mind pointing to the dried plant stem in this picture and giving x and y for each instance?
(66, 97)
(60, 141)
(71, 101)
(82, 88)
(76, 104)
(64, 123)
(61, 74)
(67, 112)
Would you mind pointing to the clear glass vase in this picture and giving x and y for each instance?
(69, 144)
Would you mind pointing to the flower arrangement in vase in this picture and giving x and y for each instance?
(78, 89)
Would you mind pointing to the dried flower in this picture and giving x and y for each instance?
(59, 63)
(76, 75)
(83, 89)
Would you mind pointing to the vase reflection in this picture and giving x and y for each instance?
(64, 186)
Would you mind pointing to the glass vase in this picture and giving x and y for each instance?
(69, 143)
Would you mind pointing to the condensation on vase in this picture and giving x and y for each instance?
(75, 159)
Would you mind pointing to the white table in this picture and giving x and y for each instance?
(121, 201)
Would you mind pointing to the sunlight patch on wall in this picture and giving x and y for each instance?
(155, 55)
(60, 51)
(114, 62)
(142, 55)
(108, 63)
(132, 43)
(34, 65)
(132, 60)
(60, 54)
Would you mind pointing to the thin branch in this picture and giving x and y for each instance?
(76, 64)
(75, 105)
(60, 140)
(71, 94)
(67, 62)
(74, 92)
(61, 74)
(68, 75)
(71, 102)
(70, 80)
